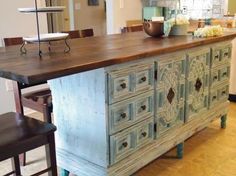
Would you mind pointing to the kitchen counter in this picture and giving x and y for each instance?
(91, 53)
(121, 101)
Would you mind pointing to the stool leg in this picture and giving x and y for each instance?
(47, 117)
(51, 155)
(16, 165)
(180, 150)
(64, 172)
(223, 121)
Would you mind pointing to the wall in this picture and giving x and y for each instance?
(90, 16)
(81, 16)
(232, 6)
(119, 11)
(13, 23)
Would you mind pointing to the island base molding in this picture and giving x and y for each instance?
(145, 155)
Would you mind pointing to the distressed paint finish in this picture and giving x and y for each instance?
(197, 88)
(170, 91)
(106, 117)
(80, 115)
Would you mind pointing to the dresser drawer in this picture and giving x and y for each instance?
(223, 92)
(144, 133)
(226, 54)
(216, 57)
(213, 97)
(129, 81)
(224, 73)
(128, 141)
(215, 78)
(221, 54)
(122, 144)
(128, 112)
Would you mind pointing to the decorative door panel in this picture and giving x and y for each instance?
(170, 93)
(198, 69)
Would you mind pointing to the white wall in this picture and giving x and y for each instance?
(119, 11)
(13, 23)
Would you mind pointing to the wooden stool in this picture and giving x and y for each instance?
(19, 134)
(73, 34)
(86, 33)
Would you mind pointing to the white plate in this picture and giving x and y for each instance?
(42, 9)
(46, 37)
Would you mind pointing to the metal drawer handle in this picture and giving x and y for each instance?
(223, 92)
(143, 107)
(143, 79)
(214, 97)
(123, 115)
(217, 56)
(123, 85)
(144, 134)
(226, 54)
(224, 74)
(125, 144)
(215, 77)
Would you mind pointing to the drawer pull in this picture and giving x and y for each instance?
(123, 115)
(215, 77)
(144, 107)
(226, 54)
(223, 92)
(224, 74)
(123, 85)
(214, 97)
(144, 134)
(217, 56)
(125, 144)
(143, 79)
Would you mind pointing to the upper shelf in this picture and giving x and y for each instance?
(52, 9)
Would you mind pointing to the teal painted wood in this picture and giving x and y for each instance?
(128, 112)
(130, 80)
(223, 121)
(197, 88)
(64, 172)
(170, 92)
(80, 111)
(128, 141)
(180, 150)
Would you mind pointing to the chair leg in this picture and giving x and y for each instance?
(47, 117)
(16, 165)
(22, 158)
(51, 155)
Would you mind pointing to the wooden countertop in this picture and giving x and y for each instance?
(91, 53)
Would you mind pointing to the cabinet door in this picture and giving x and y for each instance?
(170, 93)
(198, 69)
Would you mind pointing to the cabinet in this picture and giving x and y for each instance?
(134, 112)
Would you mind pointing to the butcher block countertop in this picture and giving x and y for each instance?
(91, 53)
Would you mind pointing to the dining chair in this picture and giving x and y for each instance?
(135, 28)
(39, 100)
(19, 133)
(87, 33)
(73, 34)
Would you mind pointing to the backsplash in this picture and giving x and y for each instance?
(195, 9)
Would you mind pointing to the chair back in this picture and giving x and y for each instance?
(73, 34)
(86, 33)
(132, 29)
(13, 41)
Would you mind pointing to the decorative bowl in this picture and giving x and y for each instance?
(154, 28)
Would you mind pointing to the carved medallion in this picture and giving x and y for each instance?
(170, 95)
(198, 85)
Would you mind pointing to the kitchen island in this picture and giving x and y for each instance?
(120, 101)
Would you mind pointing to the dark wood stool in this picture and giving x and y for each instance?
(19, 134)
(73, 34)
